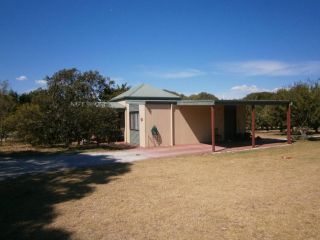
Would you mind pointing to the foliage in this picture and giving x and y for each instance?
(199, 96)
(112, 90)
(202, 96)
(104, 125)
(305, 110)
(28, 96)
(260, 96)
(65, 112)
(315, 116)
(29, 123)
(263, 117)
(7, 105)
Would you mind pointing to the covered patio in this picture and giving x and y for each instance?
(231, 114)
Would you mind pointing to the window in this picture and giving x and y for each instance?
(134, 121)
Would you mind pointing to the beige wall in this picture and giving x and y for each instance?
(158, 115)
(142, 126)
(189, 125)
(127, 124)
(192, 125)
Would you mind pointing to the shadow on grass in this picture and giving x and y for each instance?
(17, 153)
(314, 138)
(246, 143)
(27, 202)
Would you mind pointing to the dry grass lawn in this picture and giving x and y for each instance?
(262, 194)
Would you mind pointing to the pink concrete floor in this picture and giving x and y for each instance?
(159, 152)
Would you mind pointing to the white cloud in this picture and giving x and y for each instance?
(270, 68)
(252, 89)
(41, 82)
(22, 78)
(189, 93)
(241, 91)
(245, 88)
(186, 73)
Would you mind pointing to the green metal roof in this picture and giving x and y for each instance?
(114, 105)
(146, 92)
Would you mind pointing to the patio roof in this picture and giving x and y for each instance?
(231, 102)
(252, 102)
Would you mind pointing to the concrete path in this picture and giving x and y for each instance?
(13, 167)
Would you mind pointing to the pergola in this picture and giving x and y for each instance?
(251, 103)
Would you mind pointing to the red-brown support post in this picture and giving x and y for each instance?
(213, 129)
(289, 124)
(253, 137)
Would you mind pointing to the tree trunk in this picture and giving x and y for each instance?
(303, 131)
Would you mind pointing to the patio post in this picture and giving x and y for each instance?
(289, 124)
(172, 124)
(213, 129)
(253, 137)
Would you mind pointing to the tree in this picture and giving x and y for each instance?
(315, 117)
(7, 105)
(4, 87)
(70, 85)
(66, 88)
(264, 119)
(104, 125)
(66, 111)
(278, 112)
(203, 96)
(305, 108)
(302, 109)
(112, 90)
(27, 97)
(198, 96)
(29, 123)
(259, 96)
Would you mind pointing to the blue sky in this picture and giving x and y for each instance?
(228, 48)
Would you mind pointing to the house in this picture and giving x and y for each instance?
(154, 117)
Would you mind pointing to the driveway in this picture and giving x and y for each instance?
(15, 166)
